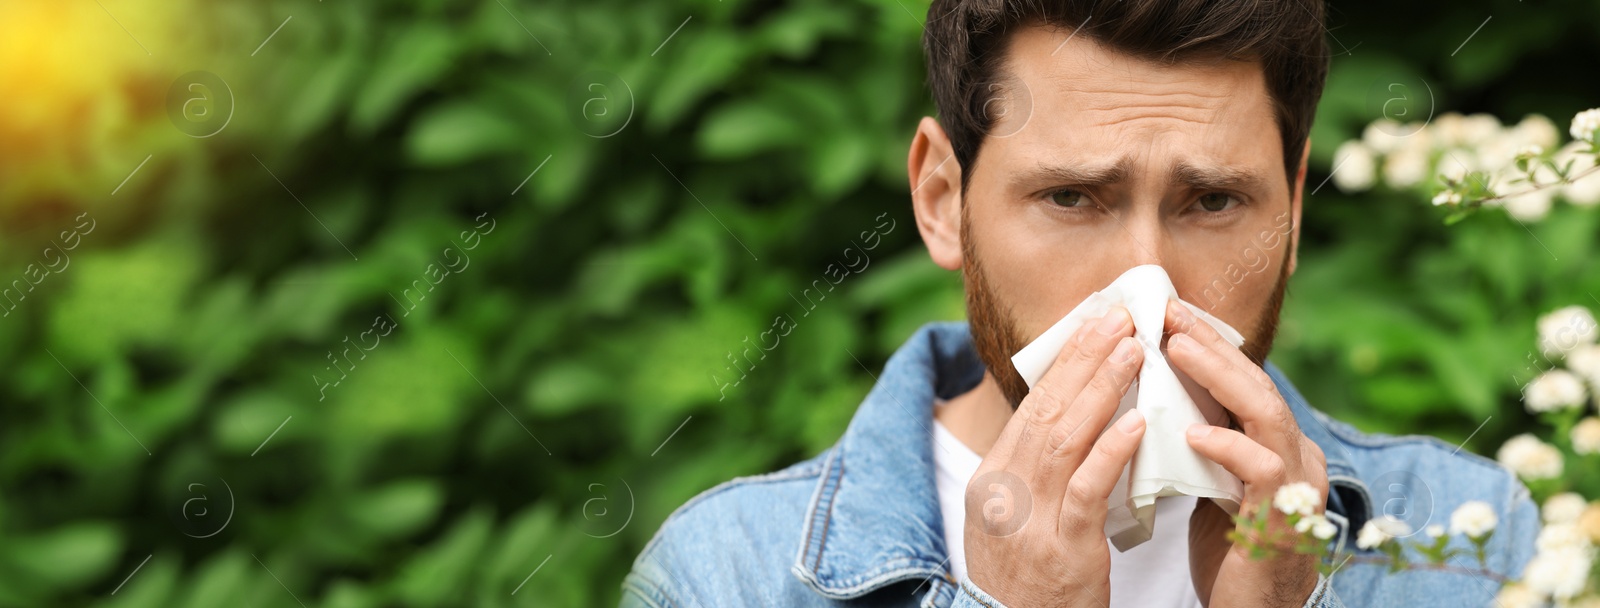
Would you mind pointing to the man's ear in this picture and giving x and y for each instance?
(1294, 208)
(936, 193)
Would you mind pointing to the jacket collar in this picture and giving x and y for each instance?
(874, 518)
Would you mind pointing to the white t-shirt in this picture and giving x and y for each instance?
(1155, 573)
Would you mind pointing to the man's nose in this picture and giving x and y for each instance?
(1143, 240)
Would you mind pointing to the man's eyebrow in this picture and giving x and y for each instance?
(1073, 174)
(1201, 176)
(1216, 177)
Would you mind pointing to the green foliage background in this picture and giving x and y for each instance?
(520, 416)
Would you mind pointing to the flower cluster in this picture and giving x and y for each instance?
(1299, 501)
(1565, 570)
(1562, 569)
(1473, 520)
(1561, 394)
(1474, 161)
(1569, 332)
(1530, 458)
(1463, 164)
(1300, 505)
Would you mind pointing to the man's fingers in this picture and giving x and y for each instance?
(1079, 427)
(1251, 462)
(1237, 383)
(1078, 362)
(1083, 509)
(1181, 321)
(1083, 355)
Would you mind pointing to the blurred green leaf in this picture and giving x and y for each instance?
(397, 509)
(460, 132)
(744, 128)
(414, 56)
(437, 575)
(65, 556)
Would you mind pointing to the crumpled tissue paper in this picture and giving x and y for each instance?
(1170, 401)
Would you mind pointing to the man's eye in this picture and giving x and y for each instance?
(1217, 201)
(1069, 198)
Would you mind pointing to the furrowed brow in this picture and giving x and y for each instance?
(1216, 177)
(1072, 175)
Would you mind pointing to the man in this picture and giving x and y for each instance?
(1075, 141)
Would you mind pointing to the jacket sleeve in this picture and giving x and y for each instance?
(644, 587)
(1323, 596)
(640, 593)
(970, 596)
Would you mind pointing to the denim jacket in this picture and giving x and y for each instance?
(859, 524)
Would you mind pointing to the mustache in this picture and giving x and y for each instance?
(997, 337)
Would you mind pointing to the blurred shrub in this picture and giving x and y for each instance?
(520, 432)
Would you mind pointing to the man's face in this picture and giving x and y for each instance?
(1122, 161)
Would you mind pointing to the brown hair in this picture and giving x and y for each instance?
(964, 44)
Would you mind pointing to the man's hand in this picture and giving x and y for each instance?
(1269, 453)
(1036, 507)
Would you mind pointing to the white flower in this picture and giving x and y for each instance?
(1559, 574)
(1379, 530)
(1479, 128)
(1473, 518)
(1586, 124)
(1384, 135)
(1530, 150)
(1450, 129)
(1452, 168)
(1529, 205)
(1298, 497)
(1434, 531)
(1497, 152)
(1323, 529)
(1394, 526)
(1318, 525)
(1418, 137)
(1406, 167)
(1583, 191)
(1557, 537)
(1305, 523)
(1589, 523)
(1518, 595)
(1353, 166)
(1448, 197)
(1564, 329)
(1564, 508)
(1586, 436)
(1370, 537)
(1530, 458)
(1553, 390)
(1536, 130)
(1585, 361)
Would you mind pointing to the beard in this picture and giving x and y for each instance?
(996, 337)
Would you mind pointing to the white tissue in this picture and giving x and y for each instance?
(1164, 465)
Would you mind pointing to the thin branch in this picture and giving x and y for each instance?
(1538, 187)
(1385, 561)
